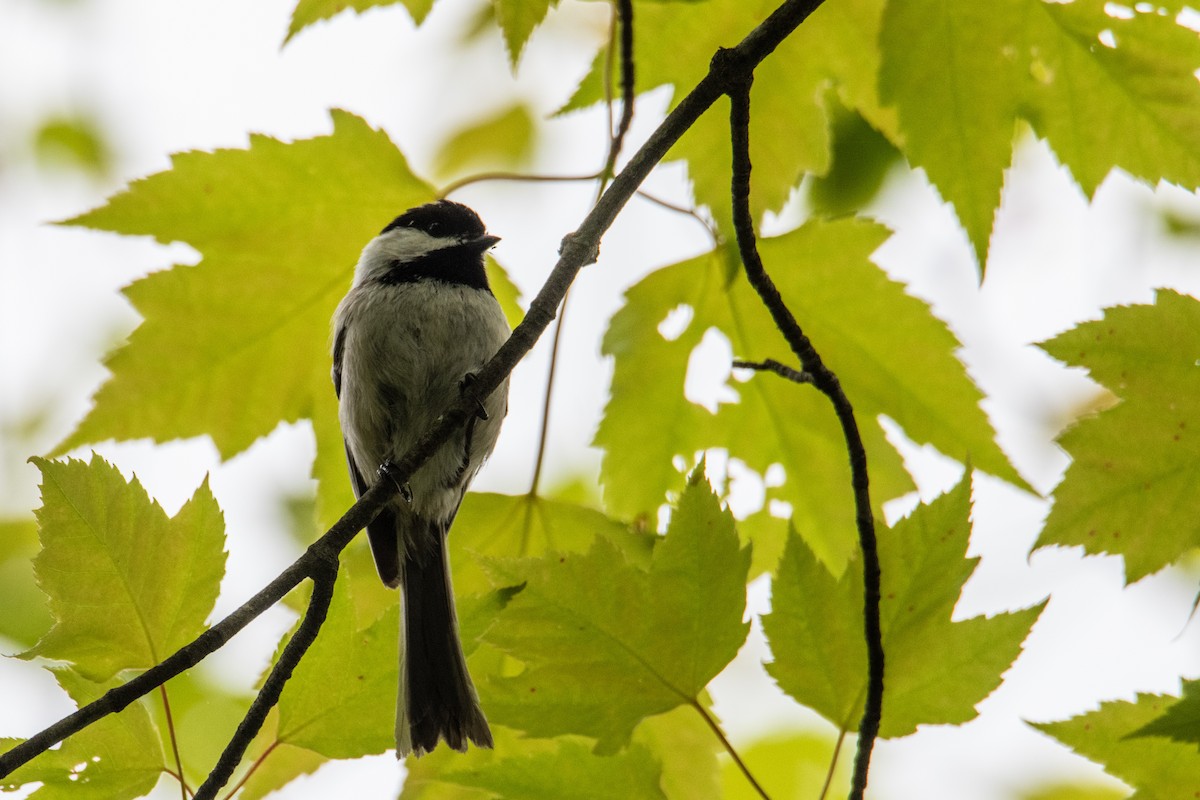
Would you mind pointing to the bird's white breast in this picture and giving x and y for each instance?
(406, 349)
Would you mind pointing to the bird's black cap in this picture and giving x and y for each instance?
(444, 219)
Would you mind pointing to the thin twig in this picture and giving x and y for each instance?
(544, 435)
(691, 212)
(712, 723)
(607, 82)
(268, 696)
(578, 249)
(771, 365)
(827, 383)
(183, 787)
(624, 18)
(522, 177)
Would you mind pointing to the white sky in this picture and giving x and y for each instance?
(165, 77)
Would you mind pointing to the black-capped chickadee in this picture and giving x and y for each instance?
(417, 323)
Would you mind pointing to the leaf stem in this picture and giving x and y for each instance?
(520, 177)
(678, 209)
(183, 787)
(543, 436)
(712, 723)
(837, 751)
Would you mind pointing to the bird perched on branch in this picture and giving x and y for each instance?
(418, 322)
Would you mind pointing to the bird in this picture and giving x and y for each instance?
(419, 321)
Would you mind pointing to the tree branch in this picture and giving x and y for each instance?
(268, 696)
(827, 383)
(578, 249)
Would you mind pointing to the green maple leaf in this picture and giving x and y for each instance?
(127, 585)
(25, 618)
(517, 20)
(892, 356)
(1181, 721)
(937, 670)
(521, 526)
(861, 159)
(308, 12)
(671, 753)
(599, 661)
(505, 139)
(114, 758)
(1157, 768)
(571, 772)
(676, 757)
(341, 699)
(1136, 501)
(685, 746)
(1143, 109)
(240, 342)
(962, 74)
(956, 93)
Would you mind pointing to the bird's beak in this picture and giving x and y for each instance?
(483, 243)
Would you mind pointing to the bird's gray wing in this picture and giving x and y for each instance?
(339, 345)
(382, 532)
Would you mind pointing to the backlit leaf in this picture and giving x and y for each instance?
(1138, 501)
(341, 700)
(962, 74)
(235, 345)
(114, 758)
(599, 661)
(128, 585)
(1181, 721)
(1157, 768)
(892, 356)
(937, 669)
(309, 11)
(517, 20)
(503, 140)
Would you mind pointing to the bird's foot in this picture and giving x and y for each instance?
(388, 470)
(464, 387)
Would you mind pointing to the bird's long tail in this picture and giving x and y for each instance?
(437, 699)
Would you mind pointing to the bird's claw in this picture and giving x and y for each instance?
(388, 470)
(463, 386)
